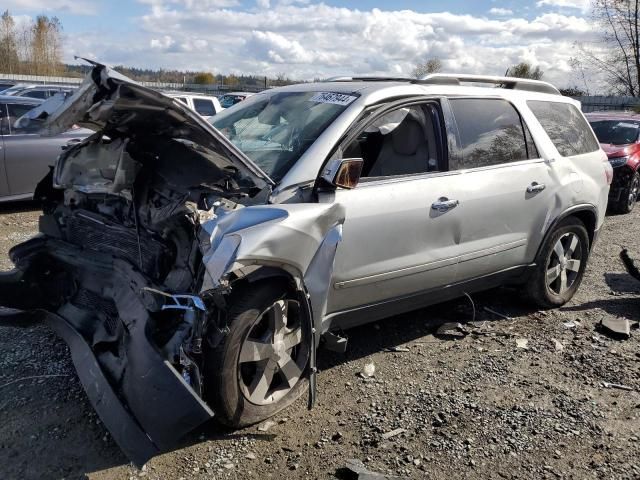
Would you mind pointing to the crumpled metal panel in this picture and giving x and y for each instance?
(300, 238)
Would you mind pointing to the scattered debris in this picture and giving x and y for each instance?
(616, 327)
(498, 314)
(263, 427)
(250, 456)
(617, 385)
(396, 349)
(558, 345)
(368, 371)
(334, 342)
(629, 264)
(522, 342)
(451, 331)
(360, 472)
(392, 433)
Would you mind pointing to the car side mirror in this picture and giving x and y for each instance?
(343, 173)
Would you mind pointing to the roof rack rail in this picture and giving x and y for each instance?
(369, 79)
(512, 83)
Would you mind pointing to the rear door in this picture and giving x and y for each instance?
(504, 190)
(27, 155)
(4, 128)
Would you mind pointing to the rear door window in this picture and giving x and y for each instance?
(15, 111)
(4, 121)
(204, 107)
(566, 127)
(490, 132)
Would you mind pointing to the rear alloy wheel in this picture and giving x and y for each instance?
(259, 367)
(560, 265)
(564, 264)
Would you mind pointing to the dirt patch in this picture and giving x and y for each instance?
(483, 406)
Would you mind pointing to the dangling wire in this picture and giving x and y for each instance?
(136, 221)
(473, 306)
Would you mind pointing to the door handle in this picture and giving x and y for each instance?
(443, 204)
(71, 143)
(536, 187)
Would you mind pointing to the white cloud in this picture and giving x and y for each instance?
(312, 40)
(55, 7)
(500, 11)
(583, 5)
(263, 3)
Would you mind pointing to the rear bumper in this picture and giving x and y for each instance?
(143, 401)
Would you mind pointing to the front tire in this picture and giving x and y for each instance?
(257, 370)
(629, 195)
(560, 265)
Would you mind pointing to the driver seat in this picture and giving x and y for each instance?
(404, 151)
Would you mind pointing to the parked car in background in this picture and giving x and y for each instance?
(618, 134)
(25, 155)
(206, 106)
(230, 99)
(39, 91)
(4, 85)
(193, 270)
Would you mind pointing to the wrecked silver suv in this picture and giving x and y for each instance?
(193, 270)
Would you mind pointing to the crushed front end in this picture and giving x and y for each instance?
(122, 292)
(147, 227)
(117, 267)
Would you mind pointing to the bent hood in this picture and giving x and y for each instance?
(124, 111)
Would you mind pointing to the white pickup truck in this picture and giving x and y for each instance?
(206, 106)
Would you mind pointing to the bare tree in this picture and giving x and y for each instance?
(525, 70)
(9, 60)
(46, 46)
(617, 56)
(432, 65)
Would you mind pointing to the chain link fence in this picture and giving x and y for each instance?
(212, 89)
(602, 103)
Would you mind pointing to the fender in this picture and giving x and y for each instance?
(581, 210)
(297, 240)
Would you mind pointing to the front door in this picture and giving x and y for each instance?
(400, 235)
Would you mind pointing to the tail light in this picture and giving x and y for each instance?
(608, 171)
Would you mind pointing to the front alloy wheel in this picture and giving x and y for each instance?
(258, 368)
(273, 356)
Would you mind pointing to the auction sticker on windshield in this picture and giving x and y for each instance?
(334, 98)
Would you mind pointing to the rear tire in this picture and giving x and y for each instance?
(244, 381)
(629, 195)
(560, 265)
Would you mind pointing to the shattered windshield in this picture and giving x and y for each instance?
(616, 132)
(275, 130)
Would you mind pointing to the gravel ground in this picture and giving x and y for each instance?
(477, 407)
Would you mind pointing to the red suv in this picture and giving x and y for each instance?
(617, 133)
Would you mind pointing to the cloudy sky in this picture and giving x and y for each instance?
(306, 39)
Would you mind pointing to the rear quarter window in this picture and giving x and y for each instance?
(204, 107)
(565, 126)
